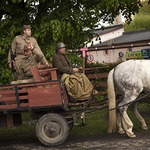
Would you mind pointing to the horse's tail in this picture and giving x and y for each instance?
(111, 102)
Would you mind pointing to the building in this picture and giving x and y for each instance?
(114, 49)
(106, 34)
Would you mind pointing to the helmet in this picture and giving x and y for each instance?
(60, 45)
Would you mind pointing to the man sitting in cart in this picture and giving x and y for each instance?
(61, 62)
(77, 84)
(31, 57)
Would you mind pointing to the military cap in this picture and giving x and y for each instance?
(26, 27)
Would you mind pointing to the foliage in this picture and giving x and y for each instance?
(141, 20)
(103, 67)
(70, 21)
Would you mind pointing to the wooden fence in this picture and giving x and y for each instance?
(98, 79)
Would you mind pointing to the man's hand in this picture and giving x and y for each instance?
(80, 68)
(47, 65)
(9, 64)
(75, 70)
(30, 46)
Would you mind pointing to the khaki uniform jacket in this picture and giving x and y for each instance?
(61, 62)
(78, 86)
(17, 48)
(27, 63)
(18, 45)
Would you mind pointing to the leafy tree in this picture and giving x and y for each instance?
(141, 20)
(70, 21)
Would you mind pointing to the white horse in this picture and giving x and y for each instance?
(129, 78)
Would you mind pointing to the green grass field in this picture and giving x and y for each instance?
(96, 123)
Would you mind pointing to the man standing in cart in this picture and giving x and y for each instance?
(16, 52)
(31, 57)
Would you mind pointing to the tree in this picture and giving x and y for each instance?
(70, 21)
(141, 20)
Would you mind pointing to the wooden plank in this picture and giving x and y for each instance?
(24, 105)
(50, 72)
(95, 68)
(23, 97)
(11, 106)
(9, 118)
(8, 98)
(28, 86)
(22, 91)
(46, 78)
(97, 75)
(7, 92)
(41, 67)
(35, 73)
(44, 66)
(3, 87)
(53, 74)
(44, 72)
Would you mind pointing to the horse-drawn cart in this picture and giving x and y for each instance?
(48, 102)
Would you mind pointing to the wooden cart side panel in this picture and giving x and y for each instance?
(45, 96)
(34, 95)
(66, 97)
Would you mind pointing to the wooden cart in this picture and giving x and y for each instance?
(48, 102)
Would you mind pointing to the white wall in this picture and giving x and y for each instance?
(110, 55)
(107, 37)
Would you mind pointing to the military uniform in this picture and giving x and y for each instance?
(25, 72)
(61, 62)
(17, 48)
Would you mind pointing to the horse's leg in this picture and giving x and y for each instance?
(139, 117)
(126, 122)
(119, 124)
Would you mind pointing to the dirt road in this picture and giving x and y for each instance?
(99, 142)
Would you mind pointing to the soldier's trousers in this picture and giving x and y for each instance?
(23, 81)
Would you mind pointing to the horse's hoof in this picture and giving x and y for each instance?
(121, 132)
(131, 135)
(144, 127)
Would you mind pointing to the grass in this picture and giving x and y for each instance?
(144, 109)
(96, 124)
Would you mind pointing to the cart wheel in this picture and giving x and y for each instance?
(52, 129)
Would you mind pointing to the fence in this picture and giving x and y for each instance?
(99, 80)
